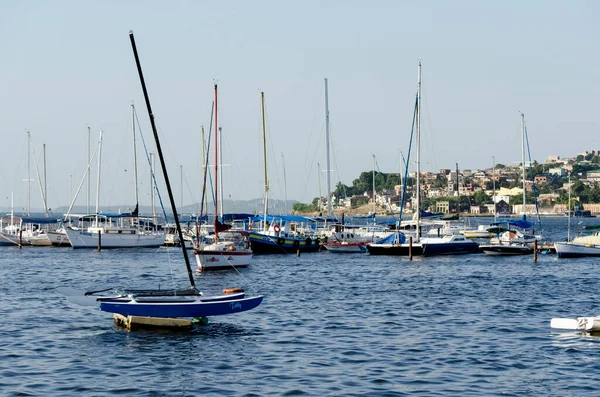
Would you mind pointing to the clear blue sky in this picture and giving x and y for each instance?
(68, 64)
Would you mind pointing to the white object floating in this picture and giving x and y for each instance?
(579, 323)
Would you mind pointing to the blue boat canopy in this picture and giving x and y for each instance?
(325, 219)
(521, 223)
(236, 217)
(370, 216)
(427, 214)
(286, 218)
(39, 220)
(394, 238)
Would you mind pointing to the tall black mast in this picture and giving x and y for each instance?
(162, 160)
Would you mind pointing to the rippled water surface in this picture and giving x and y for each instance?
(330, 324)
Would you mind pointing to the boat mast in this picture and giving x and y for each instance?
(569, 209)
(152, 187)
(40, 184)
(28, 173)
(204, 173)
(162, 161)
(401, 188)
(418, 139)
(12, 208)
(262, 96)
(45, 184)
(135, 176)
(327, 148)
(523, 159)
(284, 185)
(98, 177)
(494, 186)
(319, 182)
(374, 204)
(181, 188)
(88, 170)
(216, 168)
(221, 172)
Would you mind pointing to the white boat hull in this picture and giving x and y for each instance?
(41, 240)
(222, 260)
(572, 250)
(347, 248)
(12, 239)
(84, 239)
(506, 250)
(58, 239)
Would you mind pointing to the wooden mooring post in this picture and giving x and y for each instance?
(535, 251)
(99, 241)
(410, 248)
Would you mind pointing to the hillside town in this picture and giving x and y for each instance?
(475, 192)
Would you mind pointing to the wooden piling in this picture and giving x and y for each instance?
(535, 251)
(20, 238)
(99, 241)
(298, 252)
(410, 248)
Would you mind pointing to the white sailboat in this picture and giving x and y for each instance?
(114, 230)
(395, 244)
(580, 246)
(514, 241)
(228, 249)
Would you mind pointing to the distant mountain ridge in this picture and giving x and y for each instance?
(229, 206)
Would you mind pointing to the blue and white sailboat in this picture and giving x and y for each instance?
(279, 234)
(396, 243)
(186, 302)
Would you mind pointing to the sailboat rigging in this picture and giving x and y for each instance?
(395, 244)
(228, 249)
(115, 230)
(512, 241)
(280, 233)
(187, 302)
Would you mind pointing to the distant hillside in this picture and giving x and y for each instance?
(237, 206)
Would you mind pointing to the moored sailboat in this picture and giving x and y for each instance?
(513, 241)
(397, 243)
(114, 230)
(185, 302)
(227, 250)
(580, 246)
(278, 234)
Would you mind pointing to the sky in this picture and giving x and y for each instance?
(68, 65)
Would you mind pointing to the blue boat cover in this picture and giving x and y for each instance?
(39, 220)
(427, 214)
(290, 218)
(521, 223)
(234, 217)
(370, 216)
(394, 238)
(325, 219)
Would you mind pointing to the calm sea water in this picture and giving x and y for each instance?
(329, 325)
